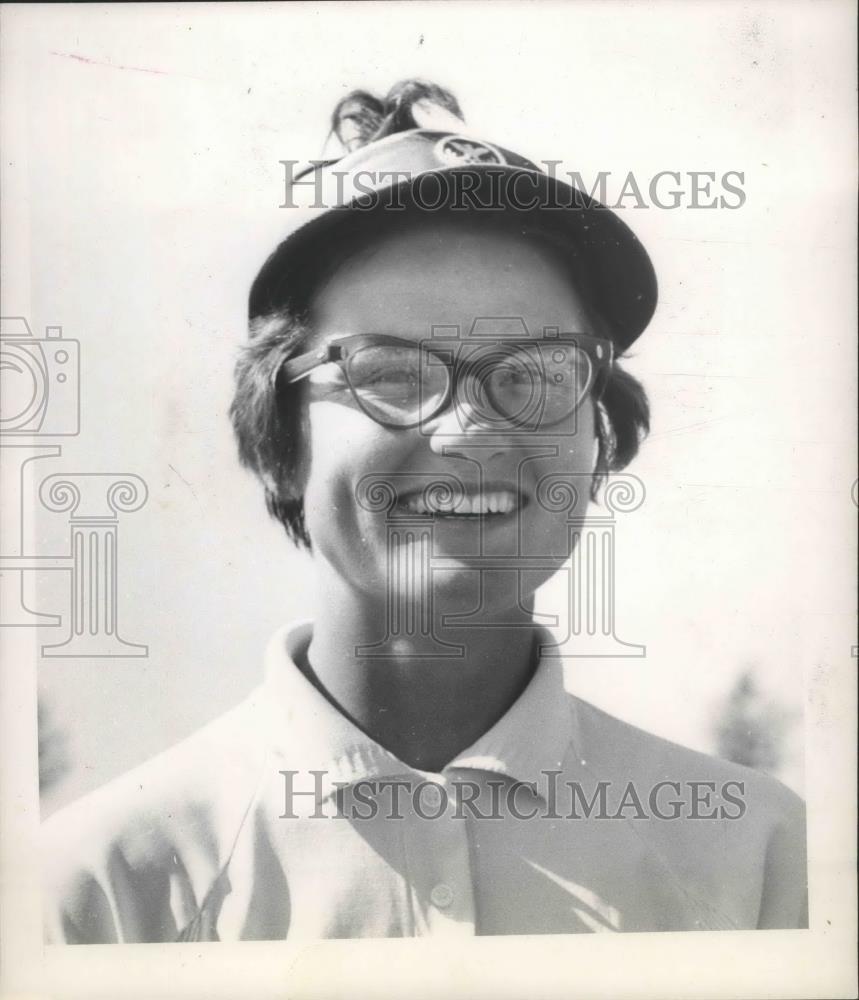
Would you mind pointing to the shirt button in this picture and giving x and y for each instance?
(441, 895)
(433, 793)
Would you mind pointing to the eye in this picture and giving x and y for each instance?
(513, 374)
(389, 375)
(384, 368)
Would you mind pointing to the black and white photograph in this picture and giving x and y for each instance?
(429, 499)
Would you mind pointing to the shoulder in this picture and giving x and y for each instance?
(620, 748)
(727, 835)
(175, 817)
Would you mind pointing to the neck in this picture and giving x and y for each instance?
(423, 707)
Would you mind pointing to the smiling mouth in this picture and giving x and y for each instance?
(485, 503)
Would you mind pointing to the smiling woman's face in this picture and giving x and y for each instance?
(431, 275)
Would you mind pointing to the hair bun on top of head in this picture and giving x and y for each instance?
(360, 117)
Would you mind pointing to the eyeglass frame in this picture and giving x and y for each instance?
(600, 352)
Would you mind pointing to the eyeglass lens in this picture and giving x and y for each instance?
(524, 385)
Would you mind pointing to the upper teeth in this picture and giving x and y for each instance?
(500, 502)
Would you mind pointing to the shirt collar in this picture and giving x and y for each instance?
(532, 737)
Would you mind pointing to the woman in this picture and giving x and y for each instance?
(431, 353)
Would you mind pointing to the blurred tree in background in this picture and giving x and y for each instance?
(751, 729)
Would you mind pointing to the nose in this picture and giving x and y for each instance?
(458, 430)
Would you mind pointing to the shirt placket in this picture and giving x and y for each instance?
(438, 860)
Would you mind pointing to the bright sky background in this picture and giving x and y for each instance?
(153, 141)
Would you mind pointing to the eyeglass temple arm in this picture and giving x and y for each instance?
(303, 365)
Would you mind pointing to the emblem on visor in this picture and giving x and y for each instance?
(457, 151)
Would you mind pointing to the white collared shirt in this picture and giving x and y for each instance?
(281, 819)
